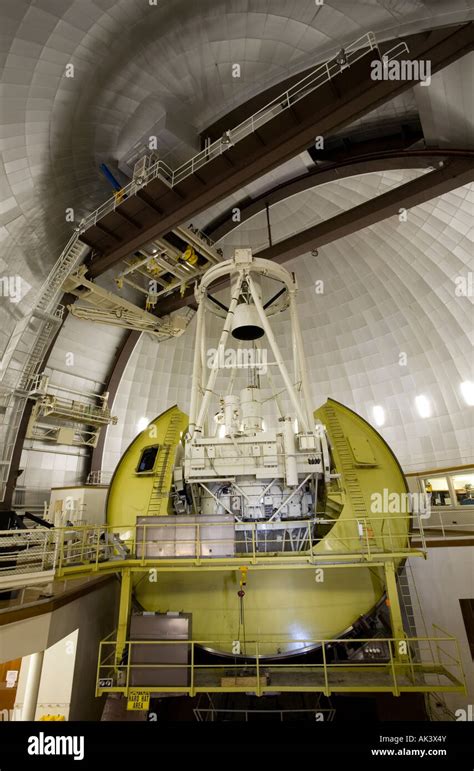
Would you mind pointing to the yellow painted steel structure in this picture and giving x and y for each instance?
(280, 603)
(437, 668)
(133, 494)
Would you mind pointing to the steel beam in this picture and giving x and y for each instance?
(192, 564)
(455, 172)
(354, 95)
(351, 165)
(451, 175)
(124, 613)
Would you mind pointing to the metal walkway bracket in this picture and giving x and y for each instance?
(108, 308)
(66, 417)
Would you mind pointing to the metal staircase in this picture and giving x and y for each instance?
(160, 494)
(30, 339)
(404, 593)
(350, 478)
(72, 254)
(26, 349)
(47, 331)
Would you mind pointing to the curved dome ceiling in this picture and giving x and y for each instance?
(133, 61)
(389, 287)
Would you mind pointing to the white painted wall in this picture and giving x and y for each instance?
(78, 503)
(441, 581)
(93, 614)
(55, 690)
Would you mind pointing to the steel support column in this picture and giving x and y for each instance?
(124, 613)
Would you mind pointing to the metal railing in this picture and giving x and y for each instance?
(319, 76)
(28, 557)
(99, 477)
(175, 542)
(437, 528)
(171, 542)
(175, 666)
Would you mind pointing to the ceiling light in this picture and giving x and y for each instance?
(142, 424)
(467, 390)
(379, 415)
(423, 406)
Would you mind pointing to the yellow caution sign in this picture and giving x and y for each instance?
(139, 701)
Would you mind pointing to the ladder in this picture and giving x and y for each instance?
(160, 493)
(46, 333)
(406, 603)
(435, 703)
(28, 342)
(74, 251)
(406, 607)
(350, 478)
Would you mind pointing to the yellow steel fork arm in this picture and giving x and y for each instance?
(366, 466)
(133, 494)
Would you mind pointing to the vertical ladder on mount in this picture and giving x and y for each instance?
(158, 504)
(349, 475)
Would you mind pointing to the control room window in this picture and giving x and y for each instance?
(147, 459)
(464, 489)
(439, 489)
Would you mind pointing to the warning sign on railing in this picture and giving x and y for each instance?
(138, 700)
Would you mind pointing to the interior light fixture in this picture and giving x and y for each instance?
(142, 424)
(379, 415)
(423, 406)
(467, 390)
